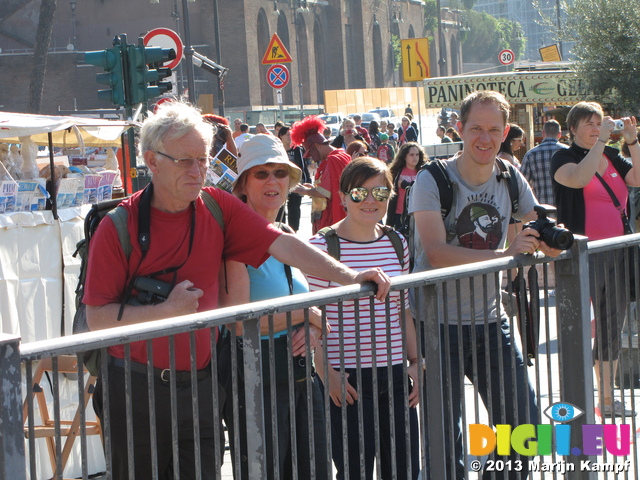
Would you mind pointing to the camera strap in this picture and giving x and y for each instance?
(144, 240)
(616, 203)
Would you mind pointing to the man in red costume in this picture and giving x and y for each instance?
(326, 208)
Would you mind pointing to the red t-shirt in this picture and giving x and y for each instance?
(247, 237)
(328, 178)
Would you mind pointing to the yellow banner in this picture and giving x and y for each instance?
(519, 88)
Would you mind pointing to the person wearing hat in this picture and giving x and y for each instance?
(326, 207)
(385, 151)
(265, 178)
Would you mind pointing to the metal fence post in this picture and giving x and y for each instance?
(12, 459)
(254, 406)
(574, 339)
(427, 302)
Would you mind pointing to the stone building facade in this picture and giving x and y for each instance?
(340, 44)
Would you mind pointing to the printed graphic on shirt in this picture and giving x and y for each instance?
(479, 226)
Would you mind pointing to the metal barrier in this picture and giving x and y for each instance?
(561, 374)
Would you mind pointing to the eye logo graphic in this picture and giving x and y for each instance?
(563, 412)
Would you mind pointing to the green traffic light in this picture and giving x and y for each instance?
(111, 61)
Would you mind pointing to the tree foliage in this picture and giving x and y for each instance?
(607, 49)
(489, 35)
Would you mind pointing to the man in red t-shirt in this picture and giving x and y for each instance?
(326, 207)
(185, 249)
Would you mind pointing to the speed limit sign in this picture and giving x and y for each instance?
(506, 57)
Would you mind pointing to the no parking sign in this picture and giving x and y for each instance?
(278, 76)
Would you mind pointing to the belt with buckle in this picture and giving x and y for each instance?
(164, 374)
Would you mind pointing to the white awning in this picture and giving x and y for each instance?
(66, 131)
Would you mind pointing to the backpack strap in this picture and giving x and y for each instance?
(213, 207)
(446, 192)
(439, 173)
(396, 241)
(508, 172)
(119, 217)
(333, 242)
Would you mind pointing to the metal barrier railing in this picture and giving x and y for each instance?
(561, 373)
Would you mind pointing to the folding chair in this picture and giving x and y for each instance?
(68, 428)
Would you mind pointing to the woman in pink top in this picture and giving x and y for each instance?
(586, 178)
(404, 168)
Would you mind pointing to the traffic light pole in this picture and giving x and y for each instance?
(188, 53)
(216, 26)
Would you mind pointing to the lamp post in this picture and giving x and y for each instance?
(73, 44)
(297, 7)
(188, 49)
(216, 27)
(442, 62)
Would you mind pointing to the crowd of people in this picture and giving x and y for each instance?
(366, 186)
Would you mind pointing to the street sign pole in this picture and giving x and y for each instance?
(279, 97)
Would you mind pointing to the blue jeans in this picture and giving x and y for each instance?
(459, 362)
(406, 436)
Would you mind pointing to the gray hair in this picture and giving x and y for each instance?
(172, 120)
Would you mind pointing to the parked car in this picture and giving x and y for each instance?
(386, 114)
(367, 118)
(334, 121)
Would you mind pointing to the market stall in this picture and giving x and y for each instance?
(38, 273)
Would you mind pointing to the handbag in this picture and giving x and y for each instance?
(633, 252)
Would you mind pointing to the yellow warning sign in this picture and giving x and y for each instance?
(415, 59)
(550, 54)
(276, 52)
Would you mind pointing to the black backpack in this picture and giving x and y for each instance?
(438, 170)
(118, 215)
(333, 242)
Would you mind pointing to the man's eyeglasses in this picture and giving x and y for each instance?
(359, 194)
(264, 174)
(186, 163)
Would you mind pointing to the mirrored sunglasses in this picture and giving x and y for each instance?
(359, 194)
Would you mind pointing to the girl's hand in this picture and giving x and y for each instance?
(335, 388)
(414, 394)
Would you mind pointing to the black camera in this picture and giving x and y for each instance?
(556, 237)
(151, 291)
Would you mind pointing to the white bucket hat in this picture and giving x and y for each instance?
(264, 149)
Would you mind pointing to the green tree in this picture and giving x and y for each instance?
(489, 35)
(607, 48)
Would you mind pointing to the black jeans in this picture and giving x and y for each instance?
(286, 416)
(518, 393)
(406, 436)
(163, 439)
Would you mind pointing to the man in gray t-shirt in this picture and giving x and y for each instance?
(476, 230)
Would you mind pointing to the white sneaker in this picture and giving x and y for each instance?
(618, 409)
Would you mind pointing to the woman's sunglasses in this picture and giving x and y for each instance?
(264, 174)
(359, 194)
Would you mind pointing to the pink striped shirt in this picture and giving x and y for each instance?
(360, 256)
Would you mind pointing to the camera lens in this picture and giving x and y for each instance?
(559, 238)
